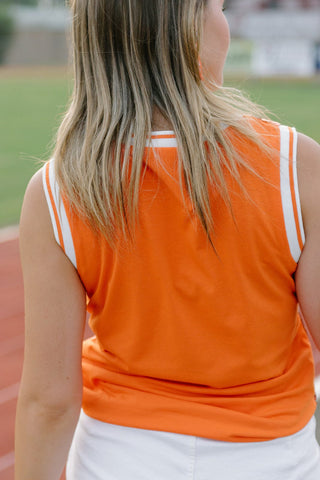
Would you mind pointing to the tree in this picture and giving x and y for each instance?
(6, 30)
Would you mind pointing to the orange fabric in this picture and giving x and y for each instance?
(192, 342)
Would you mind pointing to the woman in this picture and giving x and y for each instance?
(191, 247)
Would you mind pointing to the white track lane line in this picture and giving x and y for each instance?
(9, 233)
(6, 461)
(9, 393)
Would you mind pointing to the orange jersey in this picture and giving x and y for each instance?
(185, 340)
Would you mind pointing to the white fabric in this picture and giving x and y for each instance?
(101, 451)
(63, 219)
(296, 185)
(156, 140)
(288, 211)
(50, 207)
(163, 143)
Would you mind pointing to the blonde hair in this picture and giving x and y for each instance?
(130, 57)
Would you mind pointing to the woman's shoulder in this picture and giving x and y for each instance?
(308, 168)
(35, 219)
(34, 198)
(308, 273)
(308, 151)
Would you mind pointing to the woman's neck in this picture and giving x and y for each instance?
(159, 122)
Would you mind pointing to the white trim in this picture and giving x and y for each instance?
(317, 387)
(287, 206)
(53, 218)
(64, 223)
(67, 236)
(296, 184)
(154, 142)
(162, 132)
(54, 187)
(166, 142)
(163, 142)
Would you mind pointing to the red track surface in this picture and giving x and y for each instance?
(11, 349)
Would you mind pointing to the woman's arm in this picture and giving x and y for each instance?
(308, 272)
(51, 388)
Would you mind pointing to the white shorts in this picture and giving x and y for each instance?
(102, 451)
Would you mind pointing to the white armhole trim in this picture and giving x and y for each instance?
(287, 194)
(296, 184)
(53, 218)
(61, 212)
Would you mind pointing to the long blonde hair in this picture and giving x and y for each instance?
(130, 57)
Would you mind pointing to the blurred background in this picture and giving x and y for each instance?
(274, 57)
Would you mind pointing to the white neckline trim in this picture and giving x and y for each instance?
(162, 132)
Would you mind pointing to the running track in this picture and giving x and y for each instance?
(11, 347)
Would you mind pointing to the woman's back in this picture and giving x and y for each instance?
(183, 328)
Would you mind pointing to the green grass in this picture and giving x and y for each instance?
(30, 111)
(31, 108)
(294, 103)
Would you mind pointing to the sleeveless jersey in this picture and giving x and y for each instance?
(187, 340)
